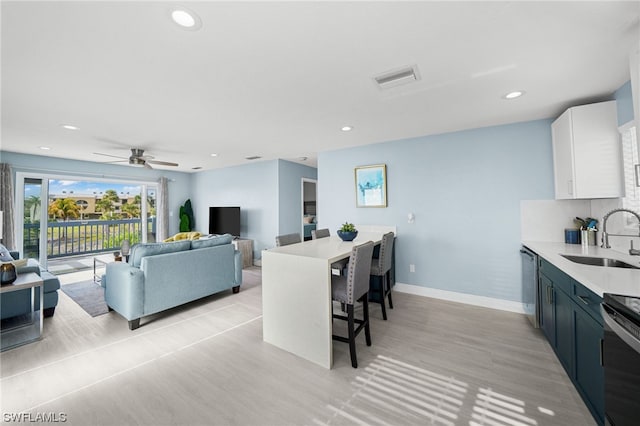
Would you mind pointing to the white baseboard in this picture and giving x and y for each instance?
(469, 299)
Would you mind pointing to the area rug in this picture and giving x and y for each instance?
(89, 295)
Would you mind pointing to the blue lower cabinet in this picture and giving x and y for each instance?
(571, 322)
(589, 377)
(547, 313)
(564, 330)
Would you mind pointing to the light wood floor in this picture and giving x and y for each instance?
(433, 362)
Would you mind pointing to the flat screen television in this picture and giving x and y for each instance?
(224, 220)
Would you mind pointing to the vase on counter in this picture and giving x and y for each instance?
(347, 235)
(7, 273)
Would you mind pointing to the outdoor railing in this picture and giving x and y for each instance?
(77, 237)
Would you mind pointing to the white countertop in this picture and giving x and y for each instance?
(598, 279)
(330, 248)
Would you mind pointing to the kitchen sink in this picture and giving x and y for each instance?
(599, 261)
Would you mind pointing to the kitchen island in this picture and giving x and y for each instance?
(296, 295)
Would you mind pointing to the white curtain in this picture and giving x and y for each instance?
(6, 206)
(162, 213)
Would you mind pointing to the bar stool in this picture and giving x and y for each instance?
(381, 267)
(319, 233)
(351, 288)
(336, 266)
(285, 240)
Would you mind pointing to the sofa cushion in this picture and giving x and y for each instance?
(211, 241)
(138, 251)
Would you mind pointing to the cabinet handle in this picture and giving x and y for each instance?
(602, 352)
(584, 300)
(547, 295)
(637, 169)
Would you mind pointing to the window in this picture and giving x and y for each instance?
(631, 166)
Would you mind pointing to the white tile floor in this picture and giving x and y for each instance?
(432, 362)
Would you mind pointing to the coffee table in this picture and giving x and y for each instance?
(25, 328)
(100, 262)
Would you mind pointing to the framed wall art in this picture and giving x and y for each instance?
(371, 186)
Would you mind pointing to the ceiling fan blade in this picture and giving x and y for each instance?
(109, 155)
(162, 163)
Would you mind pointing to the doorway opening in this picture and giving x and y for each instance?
(309, 207)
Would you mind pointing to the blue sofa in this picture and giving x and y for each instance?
(160, 276)
(17, 302)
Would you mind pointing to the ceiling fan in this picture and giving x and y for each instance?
(138, 158)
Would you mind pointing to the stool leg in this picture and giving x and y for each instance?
(389, 290)
(365, 313)
(382, 297)
(352, 336)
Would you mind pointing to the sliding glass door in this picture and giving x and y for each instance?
(33, 214)
(61, 217)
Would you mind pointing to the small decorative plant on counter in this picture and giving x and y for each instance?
(348, 232)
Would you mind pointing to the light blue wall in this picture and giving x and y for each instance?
(253, 187)
(464, 189)
(290, 194)
(268, 194)
(624, 103)
(179, 183)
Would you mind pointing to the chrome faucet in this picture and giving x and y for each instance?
(605, 235)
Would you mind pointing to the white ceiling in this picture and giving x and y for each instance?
(279, 80)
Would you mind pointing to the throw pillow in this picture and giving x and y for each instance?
(5, 256)
(18, 263)
(183, 236)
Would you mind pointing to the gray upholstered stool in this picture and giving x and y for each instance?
(352, 288)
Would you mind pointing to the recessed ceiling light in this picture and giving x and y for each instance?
(45, 148)
(514, 94)
(214, 155)
(186, 19)
(68, 127)
(347, 128)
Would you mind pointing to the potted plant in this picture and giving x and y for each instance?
(348, 232)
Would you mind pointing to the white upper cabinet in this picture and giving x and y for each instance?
(587, 159)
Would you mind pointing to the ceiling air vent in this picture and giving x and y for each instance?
(397, 77)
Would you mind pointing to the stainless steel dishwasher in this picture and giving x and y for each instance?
(621, 359)
(530, 292)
